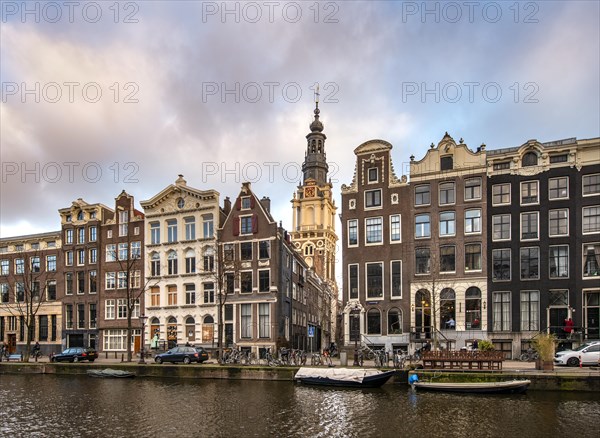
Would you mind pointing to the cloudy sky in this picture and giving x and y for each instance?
(97, 98)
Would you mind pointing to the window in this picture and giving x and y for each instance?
(122, 280)
(228, 252)
(264, 280)
(591, 219)
(472, 189)
(422, 195)
(530, 310)
(264, 320)
(373, 322)
(558, 188)
(422, 226)
(353, 232)
(562, 158)
(69, 283)
(591, 184)
(246, 203)
(591, 260)
(172, 230)
(80, 235)
(447, 224)
(155, 296)
(353, 281)
(93, 313)
(529, 225)
(109, 309)
(246, 282)
(447, 193)
(264, 249)
(93, 234)
(559, 261)
(246, 250)
(111, 253)
(530, 263)
(446, 163)
(422, 260)
(473, 257)
(209, 260)
(529, 192)
(172, 263)
(190, 228)
(135, 279)
(395, 228)
(80, 282)
(20, 265)
(110, 280)
(43, 327)
(472, 308)
(501, 264)
(190, 293)
(155, 265)
(447, 259)
(80, 257)
(68, 261)
(529, 159)
(209, 293)
(229, 283)
(501, 311)
(372, 175)
(4, 292)
(373, 230)
(69, 316)
(5, 266)
(35, 264)
(154, 233)
(373, 198)
(394, 321)
(69, 236)
(136, 231)
(472, 221)
(93, 282)
(172, 295)
(50, 290)
(501, 194)
(121, 308)
(246, 320)
(558, 222)
(207, 226)
(245, 224)
(501, 227)
(396, 279)
(136, 250)
(374, 280)
(109, 234)
(19, 292)
(93, 256)
(190, 261)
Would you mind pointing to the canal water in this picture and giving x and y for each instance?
(79, 406)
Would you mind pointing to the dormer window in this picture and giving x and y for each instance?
(68, 218)
(446, 163)
(80, 216)
(529, 159)
(373, 175)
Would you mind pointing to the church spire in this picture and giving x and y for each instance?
(315, 162)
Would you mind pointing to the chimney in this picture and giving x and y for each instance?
(266, 203)
(227, 205)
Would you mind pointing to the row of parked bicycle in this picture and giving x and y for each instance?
(285, 357)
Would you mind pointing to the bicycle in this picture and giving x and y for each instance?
(529, 356)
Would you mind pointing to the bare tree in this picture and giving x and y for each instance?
(29, 292)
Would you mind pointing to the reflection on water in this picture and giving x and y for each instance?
(79, 406)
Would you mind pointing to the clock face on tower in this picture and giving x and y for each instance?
(309, 192)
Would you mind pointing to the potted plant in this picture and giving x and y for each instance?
(544, 344)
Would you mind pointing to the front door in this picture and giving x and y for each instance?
(136, 344)
(556, 320)
(12, 342)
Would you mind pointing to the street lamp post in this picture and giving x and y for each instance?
(142, 319)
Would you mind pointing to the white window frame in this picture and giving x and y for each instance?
(583, 185)
(479, 184)
(537, 231)
(583, 217)
(478, 231)
(382, 297)
(537, 184)
(566, 178)
(440, 224)
(502, 185)
(550, 222)
(392, 296)
(355, 221)
(373, 207)
(446, 183)
(350, 297)
(495, 239)
(380, 241)
(399, 239)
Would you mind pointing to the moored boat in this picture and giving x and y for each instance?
(343, 377)
(505, 387)
(109, 372)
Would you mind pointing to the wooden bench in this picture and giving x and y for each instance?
(472, 360)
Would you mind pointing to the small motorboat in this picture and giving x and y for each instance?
(109, 372)
(343, 377)
(505, 387)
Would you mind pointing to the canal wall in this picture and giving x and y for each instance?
(543, 381)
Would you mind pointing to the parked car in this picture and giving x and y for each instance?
(76, 354)
(179, 354)
(202, 354)
(588, 353)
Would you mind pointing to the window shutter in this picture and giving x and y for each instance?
(236, 226)
(251, 201)
(238, 204)
(254, 224)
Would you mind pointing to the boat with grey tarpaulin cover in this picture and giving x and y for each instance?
(110, 373)
(343, 377)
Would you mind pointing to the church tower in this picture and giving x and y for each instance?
(313, 230)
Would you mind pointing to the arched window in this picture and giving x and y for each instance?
(172, 320)
(172, 263)
(190, 261)
(190, 328)
(423, 313)
(155, 264)
(447, 308)
(155, 327)
(309, 250)
(394, 321)
(529, 159)
(313, 146)
(373, 322)
(473, 308)
(171, 332)
(208, 329)
(209, 320)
